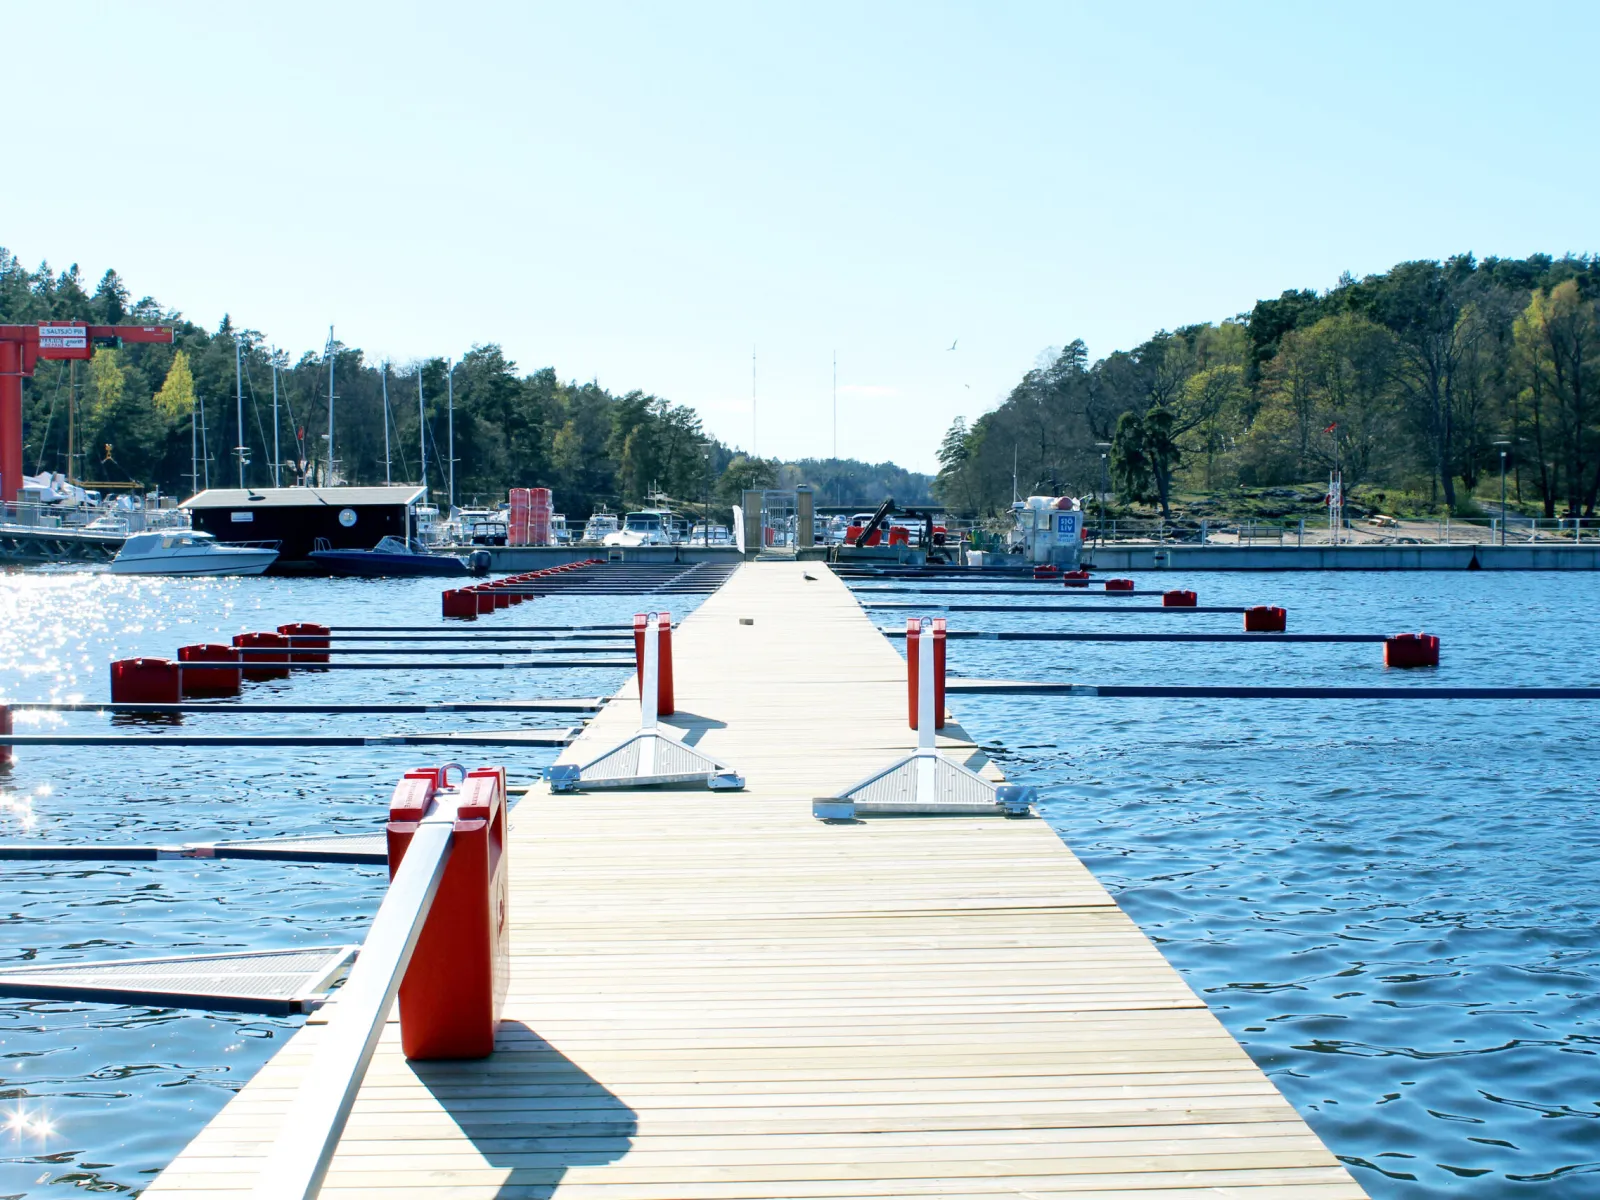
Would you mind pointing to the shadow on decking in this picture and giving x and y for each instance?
(531, 1112)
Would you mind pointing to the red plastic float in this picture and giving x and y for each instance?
(209, 681)
(308, 641)
(1411, 650)
(1046, 571)
(1079, 578)
(1178, 599)
(1265, 619)
(259, 666)
(1119, 585)
(460, 603)
(145, 681)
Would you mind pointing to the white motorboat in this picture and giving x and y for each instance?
(186, 552)
(598, 526)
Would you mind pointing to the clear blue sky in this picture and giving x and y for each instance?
(640, 194)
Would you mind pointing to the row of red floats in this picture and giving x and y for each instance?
(210, 669)
(469, 603)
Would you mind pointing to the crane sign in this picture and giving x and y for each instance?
(21, 347)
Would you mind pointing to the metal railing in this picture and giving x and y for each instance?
(299, 1159)
(116, 522)
(1354, 531)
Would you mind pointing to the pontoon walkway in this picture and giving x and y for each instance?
(715, 995)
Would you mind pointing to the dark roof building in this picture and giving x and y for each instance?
(346, 518)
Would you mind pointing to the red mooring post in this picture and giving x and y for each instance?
(455, 986)
(914, 670)
(7, 753)
(665, 704)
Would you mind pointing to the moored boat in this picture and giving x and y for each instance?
(189, 552)
(392, 556)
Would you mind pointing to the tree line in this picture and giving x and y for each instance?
(139, 413)
(1417, 379)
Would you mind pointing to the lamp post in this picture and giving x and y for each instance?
(1502, 446)
(1105, 481)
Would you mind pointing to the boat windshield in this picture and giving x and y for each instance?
(644, 522)
(394, 545)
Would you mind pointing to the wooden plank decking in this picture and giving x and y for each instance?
(715, 995)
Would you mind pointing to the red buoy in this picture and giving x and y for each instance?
(258, 666)
(308, 641)
(145, 681)
(1178, 599)
(1045, 571)
(209, 681)
(1265, 619)
(1411, 650)
(460, 603)
(1119, 585)
(1079, 578)
(484, 595)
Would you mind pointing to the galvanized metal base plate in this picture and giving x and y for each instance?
(647, 759)
(925, 784)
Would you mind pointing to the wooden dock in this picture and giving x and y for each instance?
(714, 995)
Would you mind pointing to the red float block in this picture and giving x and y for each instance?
(1078, 578)
(209, 681)
(145, 681)
(270, 649)
(460, 603)
(7, 754)
(1046, 571)
(665, 702)
(1411, 650)
(1119, 585)
(308, 642)
(1178, 599)
(914, 667)
(455, 985)
(483, 597)
(1265, 619)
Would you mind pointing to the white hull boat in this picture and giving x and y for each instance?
(189, 553)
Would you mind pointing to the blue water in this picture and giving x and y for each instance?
(1392, 904)
(101, 1097)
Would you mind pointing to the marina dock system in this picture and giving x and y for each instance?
(715, 995)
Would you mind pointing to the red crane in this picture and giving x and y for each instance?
(21, 347)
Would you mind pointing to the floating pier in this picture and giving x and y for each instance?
(716, 995)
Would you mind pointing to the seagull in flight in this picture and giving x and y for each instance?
(953, 345)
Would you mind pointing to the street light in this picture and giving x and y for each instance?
(1105, 482)
(1502, 446)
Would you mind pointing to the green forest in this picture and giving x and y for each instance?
(135, 414)
(1411, 383)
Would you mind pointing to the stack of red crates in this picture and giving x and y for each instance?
(517, 526)
(539, 509)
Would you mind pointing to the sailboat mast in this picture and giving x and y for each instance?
(387, 478)
(330, 406)
(275, 456)
(238, 396)
(194, 444)
(450, 426)
(422, 430)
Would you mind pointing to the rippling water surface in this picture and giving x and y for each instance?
(101, 1097)
(1394, 905)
